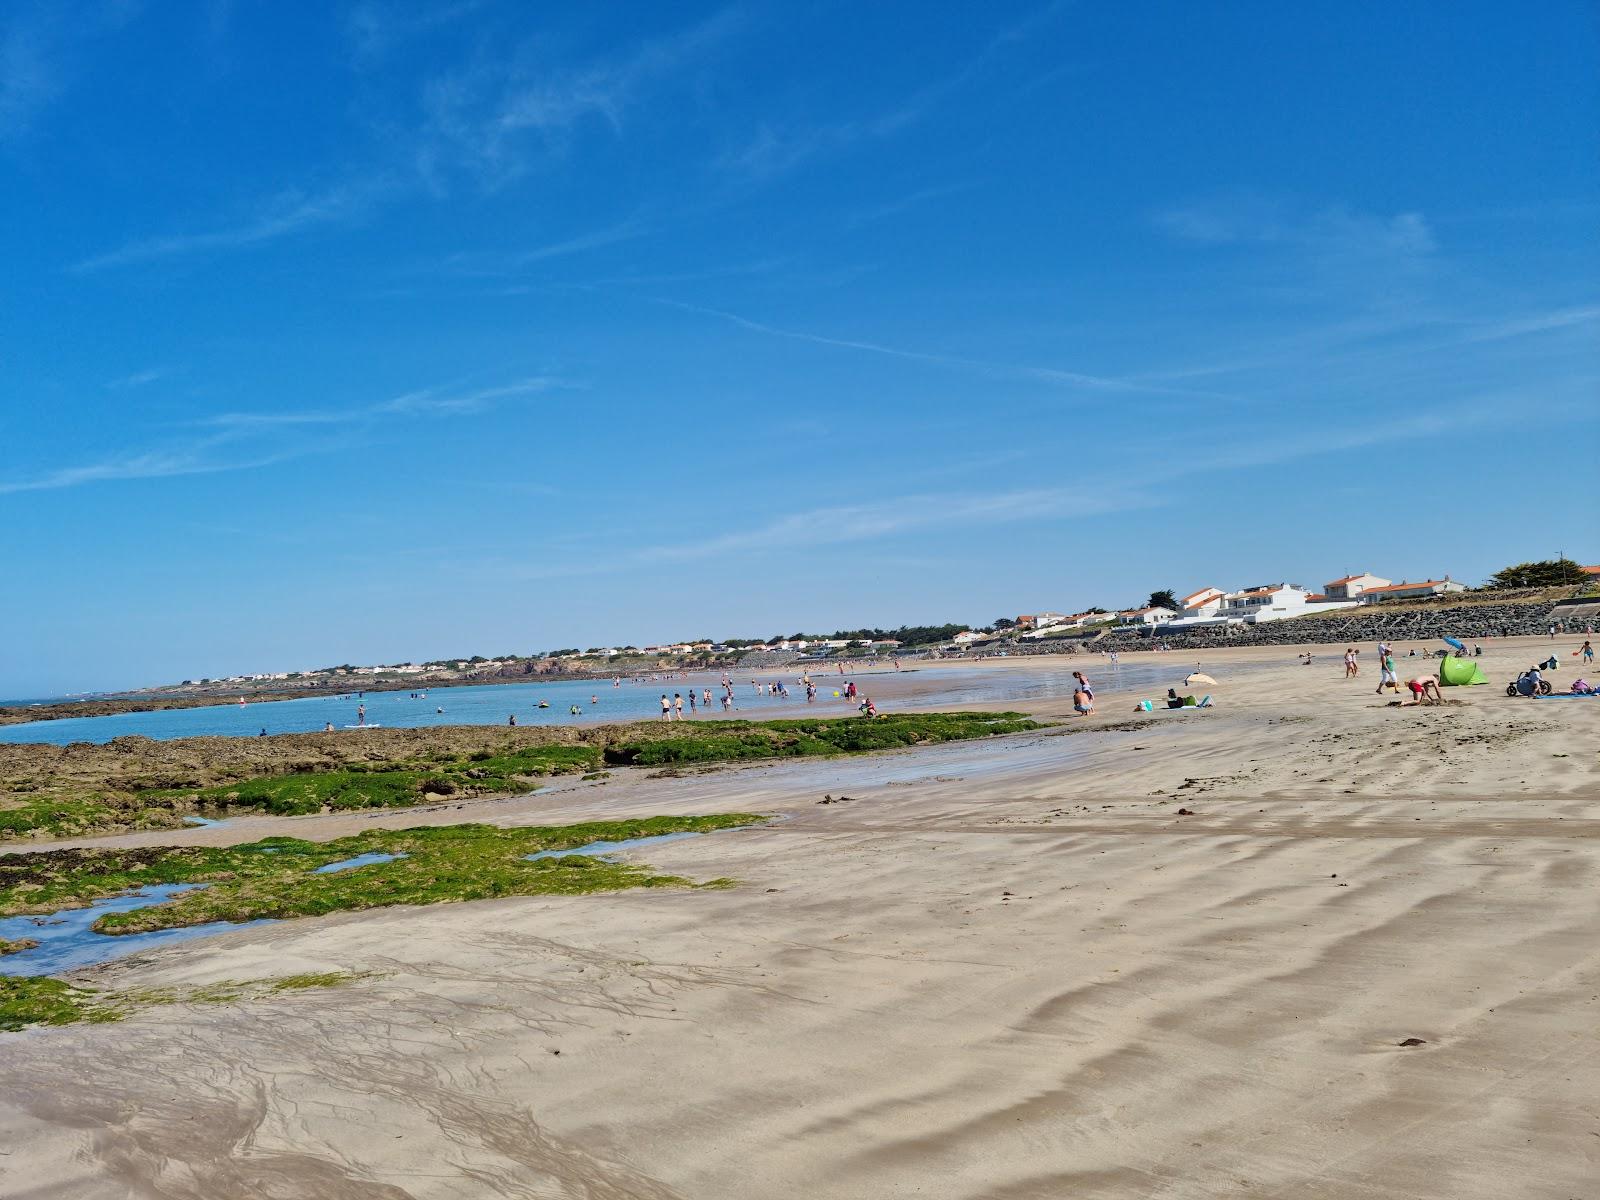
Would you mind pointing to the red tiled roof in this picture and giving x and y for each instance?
(1347, 579)
(1406, 587)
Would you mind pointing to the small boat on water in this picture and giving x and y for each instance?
(544, 704)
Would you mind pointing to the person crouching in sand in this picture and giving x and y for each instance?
(1425, 690)
(1082, 702)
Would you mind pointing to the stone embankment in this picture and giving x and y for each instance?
(1467, 622)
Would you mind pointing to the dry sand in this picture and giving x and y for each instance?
(1008, 970)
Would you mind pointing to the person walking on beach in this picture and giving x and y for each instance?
(677, 706)
(1350, 663)
(666, 707)
(1386, 675)
(1587, 651)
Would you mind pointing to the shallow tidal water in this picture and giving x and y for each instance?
(951, 687)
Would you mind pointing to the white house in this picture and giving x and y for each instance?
(1204, 603)
(1146, 616)
(1352, 586)
(1046, 620)
(1410, 591)
(966, 637)
(1276, 601)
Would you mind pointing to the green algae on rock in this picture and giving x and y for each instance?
(278, 878)
(138, 783)
(40, 1000)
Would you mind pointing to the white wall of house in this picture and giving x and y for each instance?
(1277, 603)
(1352, 586)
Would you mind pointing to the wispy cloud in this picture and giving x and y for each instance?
(197, 459)
(41, 46)
(238, 441)
(774, 151)
(1248, 219)
(425, 402)
(288, 214)
(138, 379)
(893, 208)
(494, 117)
(497, 263)
(375, 28)
(843, 524)
(1054, 375)
(903, 514)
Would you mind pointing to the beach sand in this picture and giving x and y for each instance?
(1008, 970)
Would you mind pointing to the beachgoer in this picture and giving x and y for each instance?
(666, 707)
(1083, 684)
(327, 727)
(677, 706)
(1425, 689)
(1173, 699)
(361, 714)
(1587, 651)
(1386, 675)
(263, 732)
(512, 719)
(1082, 702)
(1349, 663)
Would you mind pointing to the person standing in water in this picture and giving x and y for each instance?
(677, 706)
(666, 707)
(512, 719)
(361, 714)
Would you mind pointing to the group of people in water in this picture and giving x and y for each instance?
(672, 707)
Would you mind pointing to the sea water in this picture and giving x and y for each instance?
(67, 941)
(493, 704)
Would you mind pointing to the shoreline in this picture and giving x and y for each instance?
(1279, 947)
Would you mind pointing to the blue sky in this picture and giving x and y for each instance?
(378, 331)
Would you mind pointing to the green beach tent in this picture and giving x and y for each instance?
(1459, 672)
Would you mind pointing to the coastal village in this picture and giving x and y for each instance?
(1204, 611)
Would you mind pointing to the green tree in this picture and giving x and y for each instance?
(1552, 572)
(1004, 623)
(1163, 599)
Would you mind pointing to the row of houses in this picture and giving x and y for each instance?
(1279, 601)
(1263, 602)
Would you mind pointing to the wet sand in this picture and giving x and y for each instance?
(1004, 970)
